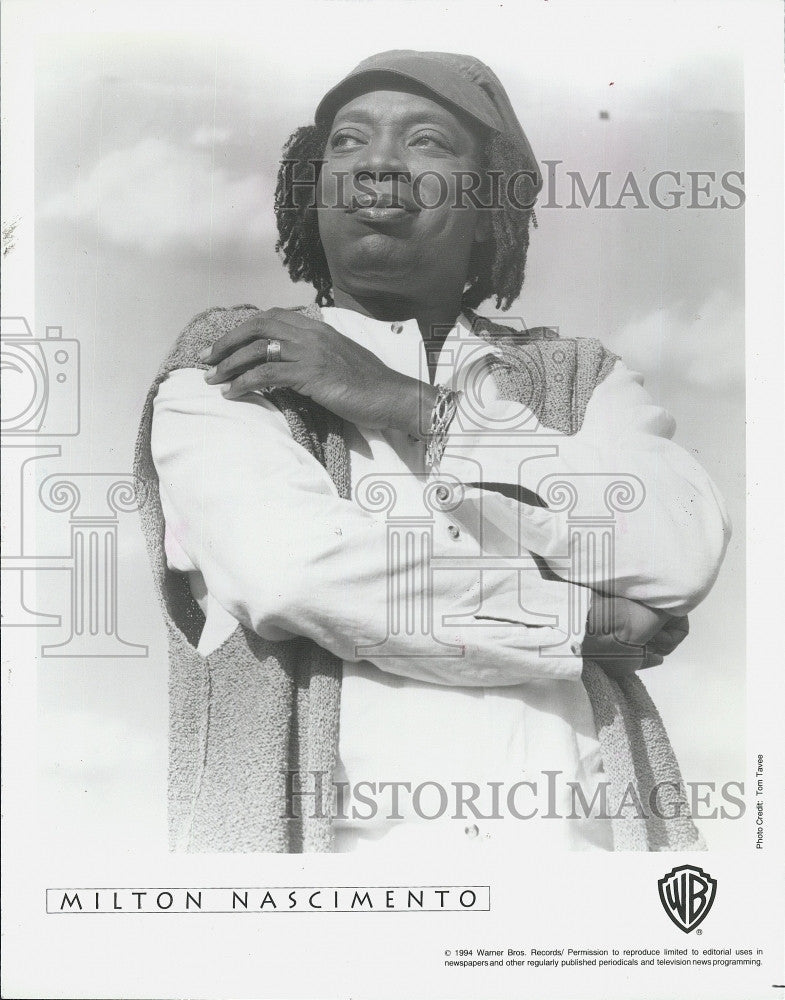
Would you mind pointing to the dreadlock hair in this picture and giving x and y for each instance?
(496, 267)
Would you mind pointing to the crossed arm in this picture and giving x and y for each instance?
(258, 518)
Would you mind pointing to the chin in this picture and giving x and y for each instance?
(378, 264)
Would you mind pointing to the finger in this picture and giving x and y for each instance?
(669, 637)
(680, 627)
(243, 358)
(621, 662)
(231, 341)
(274, 373)
(268, 325)
(609, 648)
(294, 318)
(663, 642)
(625, 668)
(652, 659)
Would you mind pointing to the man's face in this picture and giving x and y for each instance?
(391, 153)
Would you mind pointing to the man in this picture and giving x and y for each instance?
(302, 659)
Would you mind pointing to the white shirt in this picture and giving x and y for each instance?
(474, 689)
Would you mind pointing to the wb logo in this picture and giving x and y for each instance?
(687, 893)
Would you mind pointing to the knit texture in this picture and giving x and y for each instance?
(253, 710)
(555, 378)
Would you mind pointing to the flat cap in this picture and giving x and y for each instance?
(459, 80)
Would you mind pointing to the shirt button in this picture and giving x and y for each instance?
(472, 831)
(453, 531)
(396, 327)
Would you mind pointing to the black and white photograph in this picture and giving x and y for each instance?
(392, 481)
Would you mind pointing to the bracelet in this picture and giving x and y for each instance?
(444, 409)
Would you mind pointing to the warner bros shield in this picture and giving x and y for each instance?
(687, 894)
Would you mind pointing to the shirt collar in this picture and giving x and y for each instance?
(400, 346)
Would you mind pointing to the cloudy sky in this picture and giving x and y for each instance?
(155, 155)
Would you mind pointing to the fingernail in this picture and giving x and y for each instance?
(210, 373)
(205, 353)
(225, 390)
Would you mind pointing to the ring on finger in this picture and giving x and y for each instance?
(273, 350)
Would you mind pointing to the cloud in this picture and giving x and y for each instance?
(207, 138)
(157, 197)
(701, 348)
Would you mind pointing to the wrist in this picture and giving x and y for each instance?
(412, 407)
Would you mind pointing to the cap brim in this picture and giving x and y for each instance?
(452, 90)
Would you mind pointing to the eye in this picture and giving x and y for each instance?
(345, 140)
(430, 140)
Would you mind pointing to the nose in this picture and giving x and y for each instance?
(382, 155)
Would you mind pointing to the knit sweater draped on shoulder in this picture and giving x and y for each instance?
(256, 719)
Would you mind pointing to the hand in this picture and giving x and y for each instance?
(322, 364)
(623, 636)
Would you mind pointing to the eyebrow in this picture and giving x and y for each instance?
(411, 118)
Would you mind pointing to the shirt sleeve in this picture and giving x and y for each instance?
(670, 524)
(259, 518)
